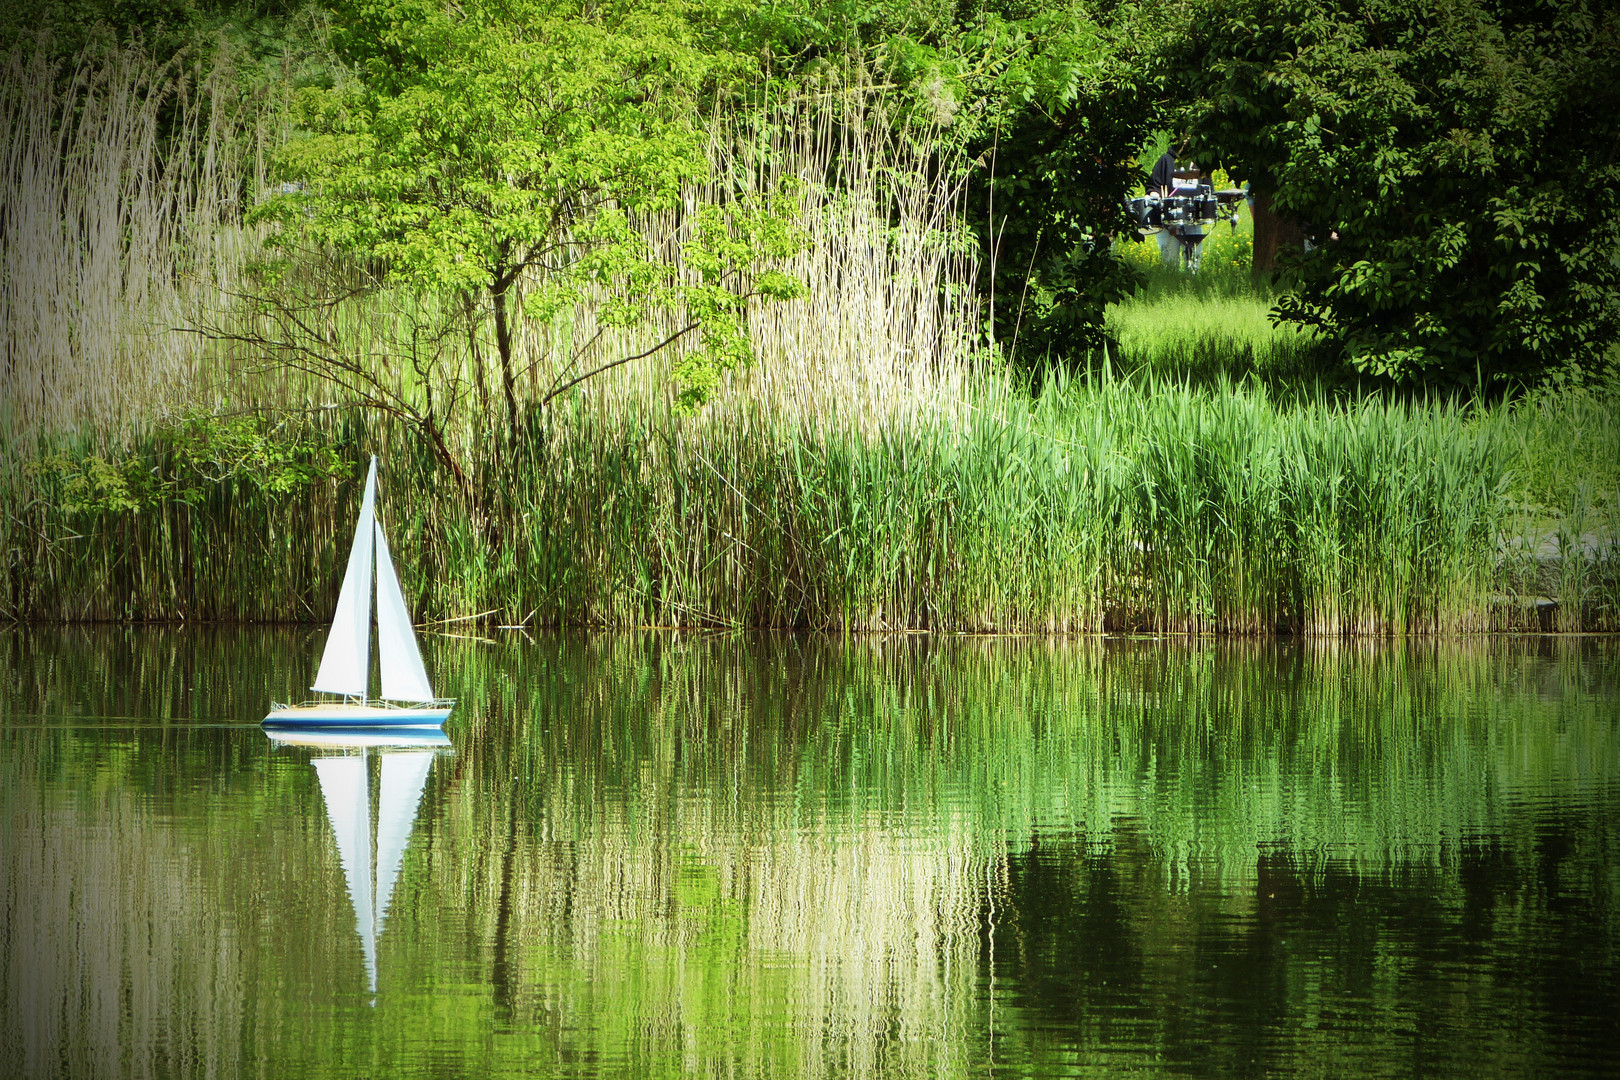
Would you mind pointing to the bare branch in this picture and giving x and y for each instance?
(571, 383)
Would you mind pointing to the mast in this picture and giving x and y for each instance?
(346, 662)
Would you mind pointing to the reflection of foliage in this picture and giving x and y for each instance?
(780, 856)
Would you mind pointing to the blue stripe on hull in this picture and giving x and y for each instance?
(433, 719)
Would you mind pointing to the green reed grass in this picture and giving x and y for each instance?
(1105, 504)
(1213, 325)
(1209, 336)
(1208, 326)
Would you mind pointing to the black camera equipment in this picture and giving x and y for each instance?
(1188, 213)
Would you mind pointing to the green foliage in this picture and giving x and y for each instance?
(183, 463)
(463, 139)
(1104, 504)
(91, 484)
(509, 152)
(263, 28)
(1051, 103)
(725, 242)
(1073, 100)
(1455, 162)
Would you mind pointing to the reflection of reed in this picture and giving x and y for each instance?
(691, 921)
(1375, 754)
(738, 855)
(843, 805)
(108, 923)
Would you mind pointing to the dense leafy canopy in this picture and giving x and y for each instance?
(1075, 97)
(264, 28)
(1051, 104)
(505, 151)
(1457, 161)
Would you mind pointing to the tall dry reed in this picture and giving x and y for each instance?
(122, 181)
(885, 335)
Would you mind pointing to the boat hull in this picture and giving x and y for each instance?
(345, 715)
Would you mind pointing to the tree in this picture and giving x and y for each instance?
(1454, 160)
(498, 160)
(1074, 102)
(1052, 103)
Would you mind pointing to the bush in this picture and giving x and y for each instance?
(1454, 160)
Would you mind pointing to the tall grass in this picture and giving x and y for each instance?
(122, 180)
(1563, 543)
(1210, 337)
(1211, 326)
(1103, 505)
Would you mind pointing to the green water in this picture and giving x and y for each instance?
(649, 855)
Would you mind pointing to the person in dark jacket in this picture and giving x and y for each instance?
(1160, 182)
(1163, 177)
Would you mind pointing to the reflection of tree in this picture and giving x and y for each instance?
(1322, 963)
(779, 855)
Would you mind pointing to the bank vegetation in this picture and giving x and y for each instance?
(187, 398)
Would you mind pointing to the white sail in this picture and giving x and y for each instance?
(346, 662)
(348, 805)
(403, 777)
(403, 676)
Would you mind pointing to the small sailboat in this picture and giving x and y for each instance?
(407, 699)
(346, 792)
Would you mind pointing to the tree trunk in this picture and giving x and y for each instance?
(503, 346)
(1272, 234)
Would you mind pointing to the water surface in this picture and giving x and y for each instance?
(771, 856)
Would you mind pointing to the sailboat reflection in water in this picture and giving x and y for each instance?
(372, 870)
(345, 665)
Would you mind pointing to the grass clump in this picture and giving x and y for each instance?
(1211, 326)
(1105, 504)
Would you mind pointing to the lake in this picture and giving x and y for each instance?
(680, 854)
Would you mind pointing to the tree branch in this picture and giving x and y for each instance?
(571, 383)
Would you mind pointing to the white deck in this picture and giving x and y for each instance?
(349, 715)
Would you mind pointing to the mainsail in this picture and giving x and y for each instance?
(345, 663)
